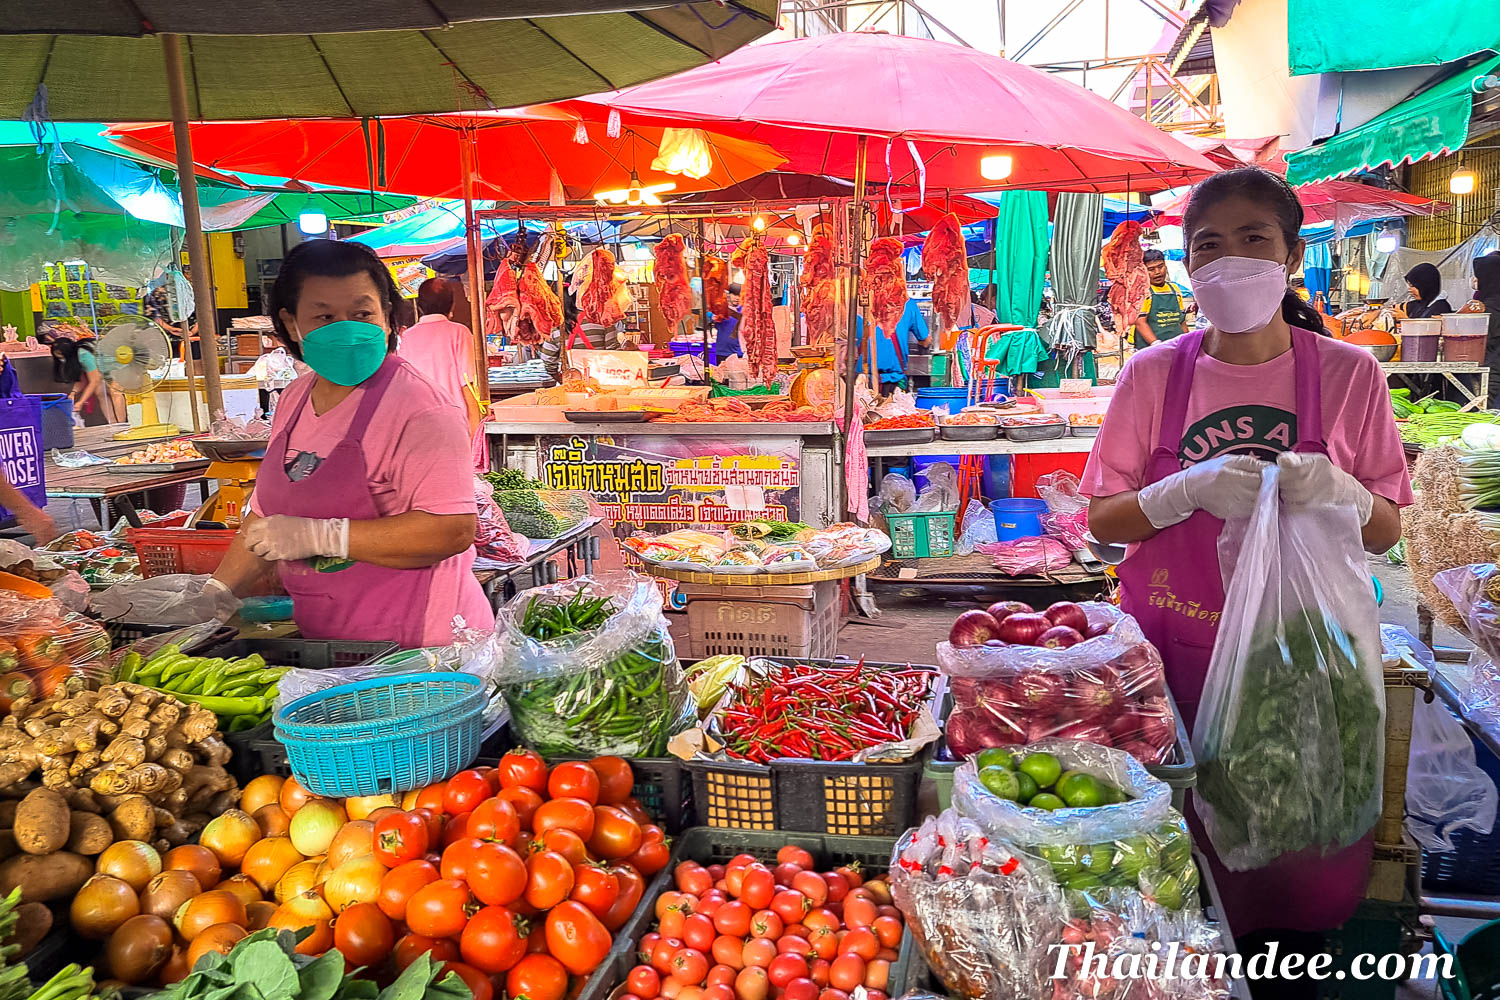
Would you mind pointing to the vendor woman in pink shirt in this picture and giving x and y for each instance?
(1191, 422)
(365, 500)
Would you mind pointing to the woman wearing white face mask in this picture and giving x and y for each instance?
(1188, 429)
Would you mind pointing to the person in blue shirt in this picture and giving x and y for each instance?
(890, 359)
(727, 328)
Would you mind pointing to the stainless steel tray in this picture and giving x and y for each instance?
(901, 435)
(969, 432)
(1084, 430)
(229, 449)
(608, 416)
(1036, 432)
(130, 470)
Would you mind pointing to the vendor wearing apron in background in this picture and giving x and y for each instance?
(1163, 316)
(1163, 476)
(890, 358)
(365, 501)
(727, 328)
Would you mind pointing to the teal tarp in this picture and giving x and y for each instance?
(1021, 249)
(1335, 36)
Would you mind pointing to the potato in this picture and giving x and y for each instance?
(42, 822)
(134, 818)
(33, 921)
(90, 834)
(8, 813)
(43, 878)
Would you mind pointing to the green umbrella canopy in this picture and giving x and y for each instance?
(295, 59)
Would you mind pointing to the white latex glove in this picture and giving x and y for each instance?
(221, 599)
(1226, 487)
(281, 537)
(1313, 479)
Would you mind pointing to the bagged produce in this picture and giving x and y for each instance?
(47, 649)
(492, 535)
(1141, 843)
(1290, 732)
(588, 668)
(175, 599)
(1108, 689)
(544, 513)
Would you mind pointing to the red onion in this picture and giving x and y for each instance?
(1040, 727)
(1143, 752)
(1060, 637)
(973, 628)
(1021, 628)
(1040, 692)
(1098, 697)
(1097, 629)
(1002, 610)
(1085, 732)
(1069, 614)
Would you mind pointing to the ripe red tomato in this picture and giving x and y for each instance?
(573, 780)
(795, 944)
(758, 888)
(564, 842)
(458, 857)
(766, 924)
(721, 975)
(521, 768)
(728, 951)
(888, 931)
(637, 811)
(848, 971)
(439, 909)
(733, 918)
(400, 837)
(616, 780)
(811, 885)
(494, 939)
(363, 934)
(595, 887)
(720, 991)
(838, 886)
(433, 819)
(478, 983)
(759, 952)
(791, 906)
(576, 938)
(398, 885)
(632, 888)
(524, 801)
(698, 932)
(784, 968)
(497, 875)
(662, 952)
(651, 857)
(851, 875)
(793, 855)
(495, 819)
(537, 977)
(689, 966)
(616, 835)
(549, 879)
(692, 877)
(465, 791)
(569, 814)
(800, 989)
(643, 981)
(860, 942)
(859, 912)
(456, 828)
(413, 946)
(431, 797)
(752, 984)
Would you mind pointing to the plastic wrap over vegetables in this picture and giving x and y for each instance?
(1108, 690)
(1036, 556)
(587, 667)
(1290, 732)
(493, 538)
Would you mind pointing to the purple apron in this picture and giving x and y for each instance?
(343, 599)
(1173, 586)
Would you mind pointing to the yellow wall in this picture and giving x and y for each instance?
(1430, 180)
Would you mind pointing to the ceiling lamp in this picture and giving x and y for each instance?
(312, 223)
(792, 239)
(1463, 180)
(1387, 240)
(758, 223)
(995, 166)
(636, 194)
(684, 151)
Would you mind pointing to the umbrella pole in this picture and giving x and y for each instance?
(187, 183)
(703, 296)
(475, 257)
(851, 352)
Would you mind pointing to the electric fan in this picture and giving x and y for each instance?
(133, 357)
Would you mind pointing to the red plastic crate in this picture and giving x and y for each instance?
(163, 551)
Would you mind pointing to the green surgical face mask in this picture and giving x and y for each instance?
(346, 352)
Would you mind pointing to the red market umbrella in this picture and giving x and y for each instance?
(1342, 203)
(931, 110)
(516, 154)
(899, 208)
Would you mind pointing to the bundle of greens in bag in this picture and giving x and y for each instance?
(587, 668)
(1291, 729)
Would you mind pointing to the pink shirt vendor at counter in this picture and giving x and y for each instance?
(1191, 424)
(364, 505)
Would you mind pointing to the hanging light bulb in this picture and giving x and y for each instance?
(793, 239)
(312, 223)
(1462, 181)
(758, 224)
(1388, 240)
(995, 166)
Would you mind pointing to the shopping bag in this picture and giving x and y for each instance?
(1290, 736)
(22, 458)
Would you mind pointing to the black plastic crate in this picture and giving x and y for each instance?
(833, 797)
(309, 654)
(707, 846)
(1473, 866)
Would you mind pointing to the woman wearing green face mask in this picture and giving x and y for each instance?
(364, 504)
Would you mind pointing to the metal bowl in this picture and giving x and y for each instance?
(1382, 352)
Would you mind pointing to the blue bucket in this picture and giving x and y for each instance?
(1017, 517)
(956, 398)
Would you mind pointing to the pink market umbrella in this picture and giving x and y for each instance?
(1343, 203)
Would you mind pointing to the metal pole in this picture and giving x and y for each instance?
(476, 269)
(851, 351)
(703, 295)
(187, 183)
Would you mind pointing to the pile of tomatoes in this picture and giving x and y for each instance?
(777, 931)
(518, 875)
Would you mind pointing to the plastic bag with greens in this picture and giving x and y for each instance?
(588, 668)
(1290, 731)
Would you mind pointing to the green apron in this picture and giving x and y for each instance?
(1165, 315)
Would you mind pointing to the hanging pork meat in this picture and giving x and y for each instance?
(540, 312)
(1124, 265)
(603, 298)
(673, 289)
(502, 304)
(946, 262)
(757, 330)
(820, 288)
(716, 285)
(885, 277)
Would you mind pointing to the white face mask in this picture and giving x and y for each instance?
(1239, 294)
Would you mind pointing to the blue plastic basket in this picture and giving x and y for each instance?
(386, 734)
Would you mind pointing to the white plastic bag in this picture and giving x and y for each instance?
(941, 491)
(978, 528)
(176, 599)
(1445, 789)
(1290, 733)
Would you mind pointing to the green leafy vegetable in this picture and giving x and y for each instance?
(511, 479)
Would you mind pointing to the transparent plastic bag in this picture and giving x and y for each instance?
(1029, 556)
(897, 494)
(43, 645)
(175, 599)
(941, 491)
(1290, 734)
(1109, 690)
(978, 528)
(493, 538)
(616, 688)
(1475, 593)
(1445, 789)
(1059, 491)
(543, 513)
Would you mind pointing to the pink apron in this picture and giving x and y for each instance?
(1173, 586)
(343, 599)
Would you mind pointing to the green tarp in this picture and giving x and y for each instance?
(1430, 124)
(1021, 248)
(1335, 36)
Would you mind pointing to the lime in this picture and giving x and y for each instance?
(994, 757)
(1001, 781)
(1043, 768)
(1176, 847)
(1084, 880)
(1100, 858)
(1028, 786)
(1134, 855)
(1113, 796)
(1081, 791)
(1063, 859)
(1079, 904)
(1046, 800)
(1168, 892)
(1191, 881)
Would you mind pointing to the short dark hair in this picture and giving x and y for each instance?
(435, 295)
(327, 259)
(1152, 256)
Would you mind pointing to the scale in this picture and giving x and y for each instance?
(234, 463)
(816, 383)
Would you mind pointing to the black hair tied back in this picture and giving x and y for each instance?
(1259, 185)
(327, 259)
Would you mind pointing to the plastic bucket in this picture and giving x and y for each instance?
(1418, 346)
(956, 398)
(1464, 347)
(1466, 324)
(57, 420)
(1017, 517)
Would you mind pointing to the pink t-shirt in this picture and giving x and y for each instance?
(1251, 409)
(417, 458)
(443, 351)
